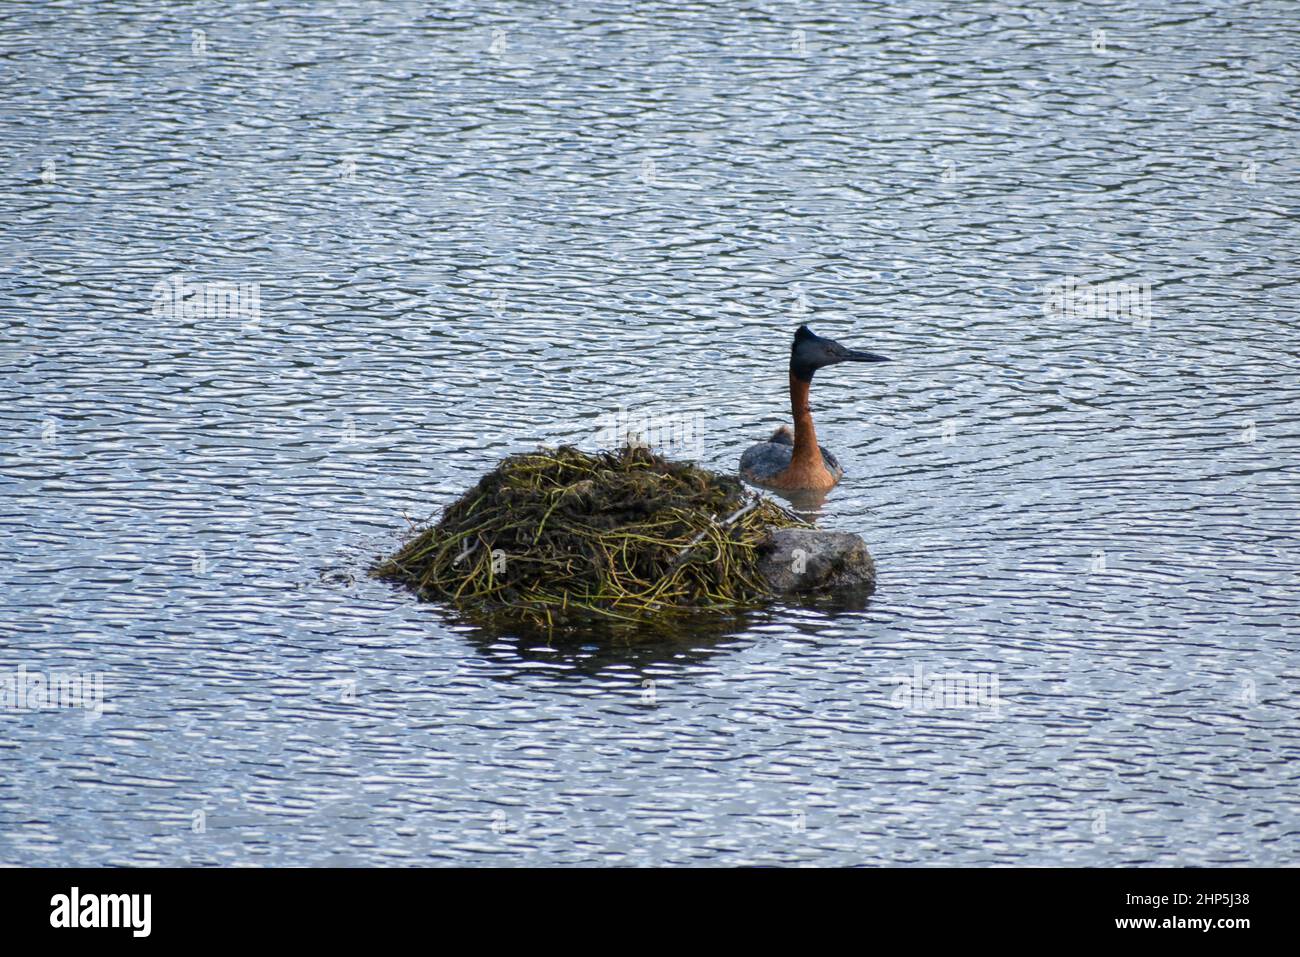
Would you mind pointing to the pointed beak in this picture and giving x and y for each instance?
(853, 355)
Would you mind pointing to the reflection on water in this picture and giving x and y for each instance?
(277, 277)
(602, 646)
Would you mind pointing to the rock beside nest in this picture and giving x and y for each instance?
(808, 559)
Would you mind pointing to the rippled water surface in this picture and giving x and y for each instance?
(475, 227)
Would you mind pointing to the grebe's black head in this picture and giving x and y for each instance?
(810, 352)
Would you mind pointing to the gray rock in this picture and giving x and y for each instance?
(808, 559)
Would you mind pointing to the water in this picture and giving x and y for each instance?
(476, 229)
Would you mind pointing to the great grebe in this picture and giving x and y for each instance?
(794, 461)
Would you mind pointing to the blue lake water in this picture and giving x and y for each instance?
(460, 232)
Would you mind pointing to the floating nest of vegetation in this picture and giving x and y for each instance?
(556, 536)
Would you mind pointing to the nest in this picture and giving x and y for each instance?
(557, 535)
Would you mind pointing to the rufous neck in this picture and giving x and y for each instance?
(806, 450)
